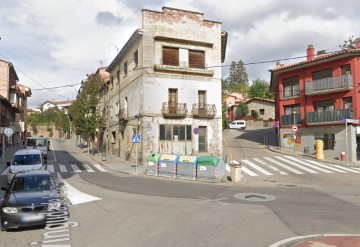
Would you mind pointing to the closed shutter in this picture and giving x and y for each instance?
(170, 56)
(196, 59)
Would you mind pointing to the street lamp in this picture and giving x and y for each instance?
(294, 135)
(69, 123)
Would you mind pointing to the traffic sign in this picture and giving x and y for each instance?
(348, 120)
(8, 132)
(136, 139)
(276, 124)
(294, 128)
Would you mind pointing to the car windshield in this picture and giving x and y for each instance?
(33, 183)
(36, 142)
(27, 159)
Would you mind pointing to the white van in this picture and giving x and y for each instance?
(41, 143)
(24, 160)
(238, 124)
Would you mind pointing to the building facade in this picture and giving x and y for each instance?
(317, 96)
(165, 85)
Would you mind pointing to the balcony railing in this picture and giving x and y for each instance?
(176, 110)
(328, 116)
(330, 84)
(123, 114)
(295, 93)
(206, 111)
(4, 121)
(289, 119)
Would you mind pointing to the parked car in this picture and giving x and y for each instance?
(27, 199)
(238, 124)
(24, 160)
(41, 143)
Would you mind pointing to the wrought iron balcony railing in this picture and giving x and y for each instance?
(174, 109)
(328, 116)
(205, 111)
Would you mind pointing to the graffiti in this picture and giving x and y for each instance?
(288, 140)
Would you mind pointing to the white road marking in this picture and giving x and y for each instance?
(75, 168)
(88, 168)
(247, 171)
(306, 164)
(295, 164)
(217, 200)
(62, 168)
(330, 167)
(347, 169)
(284, 166)
(270, 166)
(100, 168)
(75, 196)
(50, 168)
(249, 163)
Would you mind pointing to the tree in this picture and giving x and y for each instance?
(260, 89)
(237, 81)
(84, 111)
(348, 44)
(242, 110)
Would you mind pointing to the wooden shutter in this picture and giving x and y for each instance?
(170, 56)
(197, 59)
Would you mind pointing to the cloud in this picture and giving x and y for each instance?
(108, 19)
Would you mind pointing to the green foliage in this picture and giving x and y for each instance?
(242, 110)
(255, 114)
(348, 44)
(237, 81)
(83, 111)
(225, 123)
(260, 89)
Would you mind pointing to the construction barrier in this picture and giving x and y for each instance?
(186, 167)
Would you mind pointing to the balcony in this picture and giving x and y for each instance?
(123, 114)
(329, 85)
(183, 68)
(289, 119)
(287, 94)
(177, 110)
(314, 118)
(4, 121)
(207, 111)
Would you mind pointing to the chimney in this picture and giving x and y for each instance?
(357, 43)
(310, 53)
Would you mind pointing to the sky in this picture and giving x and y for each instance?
(54, 44)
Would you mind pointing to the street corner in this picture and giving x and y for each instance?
(326, 240)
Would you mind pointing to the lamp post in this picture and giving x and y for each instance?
(69, 124)
(294, 135)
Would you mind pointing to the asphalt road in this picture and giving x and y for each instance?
(153, 211)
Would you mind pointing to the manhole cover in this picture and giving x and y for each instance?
(255, 197)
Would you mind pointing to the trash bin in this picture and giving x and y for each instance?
(186, 167)
(153, 164)
(167, 165)
(211, 168)
(235, 171)
(343, 156)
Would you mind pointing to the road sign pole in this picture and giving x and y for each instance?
(346, 141)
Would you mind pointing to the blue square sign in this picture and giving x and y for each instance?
(136, 139)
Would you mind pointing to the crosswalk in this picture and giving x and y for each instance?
(286, 165)
(71, 168)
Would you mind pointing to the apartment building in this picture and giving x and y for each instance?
(165, 85)
(320, 96)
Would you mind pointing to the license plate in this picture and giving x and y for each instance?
(202, 168)
(31, 218)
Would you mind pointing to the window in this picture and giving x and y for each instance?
(125, 69)
(329, 141)
(197, 59)
(118, 76)
(290, 109)
(175, 132)
(202, 139)
(202, 99)
(172, 100)
(291, 86)
(347, 103)
(113, 137)
(262, 111)
(136, 58)
(112, 82)
(171, 56)
(345, 69)
(324, 105)
(321, 74)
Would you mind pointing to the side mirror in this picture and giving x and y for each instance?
(4, 188)
(8, 163)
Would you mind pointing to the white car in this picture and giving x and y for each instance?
(24, 160)
(238, 124)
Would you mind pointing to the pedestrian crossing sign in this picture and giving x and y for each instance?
(136, 139)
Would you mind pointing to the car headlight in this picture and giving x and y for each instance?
(9, 210)
(12, 171)
(54, 205)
